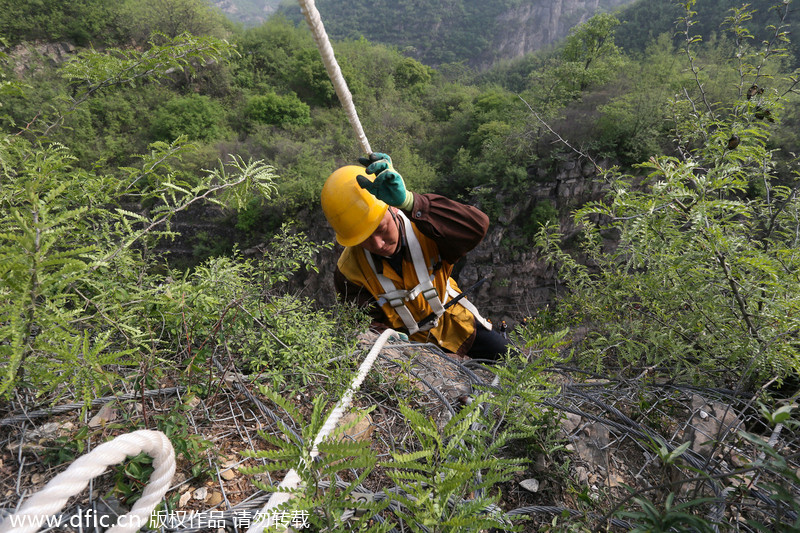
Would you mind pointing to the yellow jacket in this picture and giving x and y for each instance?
(424, 286)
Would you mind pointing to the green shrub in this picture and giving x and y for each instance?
(542, 214)
(196, 116)
(411, 74)
(704, 277)
(275, 109)
(78, 288)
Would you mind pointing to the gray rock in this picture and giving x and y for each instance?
(531, 485)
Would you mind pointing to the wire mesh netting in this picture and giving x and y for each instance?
(623, 440)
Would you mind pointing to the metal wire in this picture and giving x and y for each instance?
(639, 416)
(29, 417)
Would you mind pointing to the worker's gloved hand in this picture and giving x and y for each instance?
(388, 185)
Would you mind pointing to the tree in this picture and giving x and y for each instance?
(140, 19)
(275, 109)
(633, 124)
(589, 54)
(704, 281)
(411, 74)
(266, 52)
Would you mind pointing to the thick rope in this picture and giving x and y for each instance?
(292, 480)
(48, 501)
(311, 14)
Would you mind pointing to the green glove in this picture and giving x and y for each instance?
(388, 185)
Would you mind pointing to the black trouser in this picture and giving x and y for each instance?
(488, 344)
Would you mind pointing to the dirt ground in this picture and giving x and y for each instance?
(598, 455)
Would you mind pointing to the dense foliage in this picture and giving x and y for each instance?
(88, 298)
(81, 21)
(106, 22)
(703, 281)
(271, 100)
(645, 20)
(687, 269)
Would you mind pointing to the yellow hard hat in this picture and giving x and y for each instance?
(352, 212)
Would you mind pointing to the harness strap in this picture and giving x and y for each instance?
(394, 297)
(469, 306)
(424, 278)
(397, 298)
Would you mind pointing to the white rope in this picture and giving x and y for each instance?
(48, 501)
(292, 480)
(311, 14)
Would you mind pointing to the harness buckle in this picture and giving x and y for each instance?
(394, 298)
(430, 293)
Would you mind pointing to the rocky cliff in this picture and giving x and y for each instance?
(478, 32)
(247, 12)
(535, 24)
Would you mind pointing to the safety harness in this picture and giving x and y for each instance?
(425, 274)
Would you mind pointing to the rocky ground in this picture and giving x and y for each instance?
(607, 439)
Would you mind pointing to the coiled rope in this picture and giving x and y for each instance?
(292, 479)
(314, 21)
(48, 501)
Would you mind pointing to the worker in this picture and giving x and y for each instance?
(504, 329)
(400, 249)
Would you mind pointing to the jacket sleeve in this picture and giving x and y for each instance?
(455, 227)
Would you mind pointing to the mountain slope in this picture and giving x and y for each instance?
(644, 20)
(478, 32)
(247, 12)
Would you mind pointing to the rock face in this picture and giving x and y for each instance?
(509, 33)
(711, 422)
(31, 56)
(537, 23)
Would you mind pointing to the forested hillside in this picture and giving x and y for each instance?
(160, 172)
(474, 32)
(644, 20)
(249, 13)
